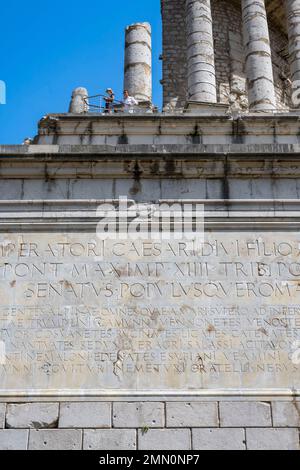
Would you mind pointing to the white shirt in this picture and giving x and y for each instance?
(129, 102)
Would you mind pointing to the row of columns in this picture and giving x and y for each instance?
(259, 69)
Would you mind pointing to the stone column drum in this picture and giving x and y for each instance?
(138, 61)
(259, 68)
(79, 103)
(200, 52)
(293, 17)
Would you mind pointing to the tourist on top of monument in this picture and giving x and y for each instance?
(129, 101)
(109, 99)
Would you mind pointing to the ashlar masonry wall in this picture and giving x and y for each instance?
(152, 425)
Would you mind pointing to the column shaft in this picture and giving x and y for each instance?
(200, 52)
(293, 17)
(259, 69)
(138, 61)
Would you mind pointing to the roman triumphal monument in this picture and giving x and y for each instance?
(113, 335)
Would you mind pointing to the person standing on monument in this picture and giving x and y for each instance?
(109, 99)
(129, 101)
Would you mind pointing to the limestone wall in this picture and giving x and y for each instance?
(151, 425)
(43, 186)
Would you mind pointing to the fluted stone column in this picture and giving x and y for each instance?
(138, 61)
(200, 52)
(293, 17)
(259, 68)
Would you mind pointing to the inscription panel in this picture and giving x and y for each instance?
(78, 314)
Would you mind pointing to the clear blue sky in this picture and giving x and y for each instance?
(49, 48)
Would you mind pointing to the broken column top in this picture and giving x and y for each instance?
(141, 24)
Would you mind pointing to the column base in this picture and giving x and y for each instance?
(197, 107)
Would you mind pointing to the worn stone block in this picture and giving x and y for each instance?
(138, 415)
(12, 191)
(109, 439)
(55, 439)
(13, 439)
(272, 439)
(245, 414)
(286, 414)
(32, 415)
(85, 415)
(192, 414)
(164, 439)
(2, 414)
(218, 439)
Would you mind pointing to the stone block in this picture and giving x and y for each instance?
(32, 415)
(13, 439)
(245, 414)
(109, 439)
(286, 414)
(55, 439)
(192, 414)
(164, 439)
(218, 439)
(272, 439)
(2, 414)
(138, 415)
(85, 415)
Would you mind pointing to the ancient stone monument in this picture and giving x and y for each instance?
(196, 341)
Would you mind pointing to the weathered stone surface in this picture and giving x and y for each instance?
(79, 102)
(164, 439)
(192, 414)
(286, 414)
(110, 439)
(258, 56)
(227, 21)
(238, 414)
(13, 439)
(85, 415)
(132, 287)
(293, 21)
(32, 415)
(138, 415)
(2, 414)
(138, 61)
(272, 439)
(218, 439)
(200, 52)
(55, 439)
(163, 138)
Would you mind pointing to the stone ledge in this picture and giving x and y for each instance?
(174, 150)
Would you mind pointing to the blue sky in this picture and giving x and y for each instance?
(50, 48)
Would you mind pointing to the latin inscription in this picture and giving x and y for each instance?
(78, 313)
